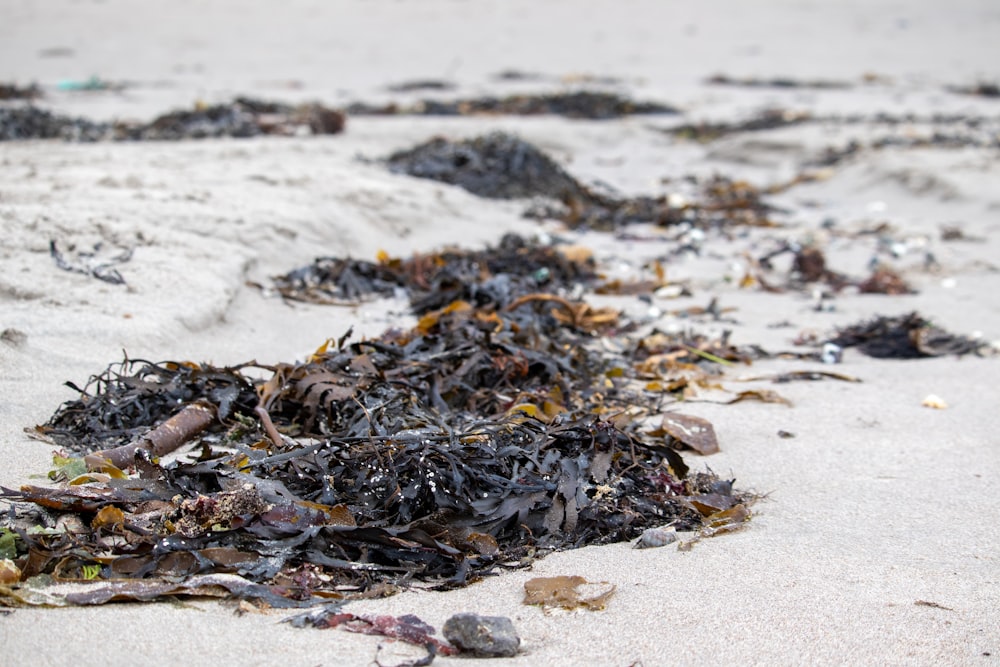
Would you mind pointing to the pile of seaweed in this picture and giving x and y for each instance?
(591, 105)
(493, 431)
(243, 117)
(503, 166)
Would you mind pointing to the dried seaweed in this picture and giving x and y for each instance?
(908, 336)
(593, 105)
(809, 266)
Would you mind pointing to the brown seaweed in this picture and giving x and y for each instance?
(567, 592)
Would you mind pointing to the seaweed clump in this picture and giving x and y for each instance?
(909, 336)
(503, 166)
(488, 434)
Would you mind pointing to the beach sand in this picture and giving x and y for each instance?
(877, 542)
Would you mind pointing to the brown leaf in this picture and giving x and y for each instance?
(692, 432)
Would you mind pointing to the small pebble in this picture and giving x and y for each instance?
(484, 636)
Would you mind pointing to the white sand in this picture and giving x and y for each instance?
(876, 504)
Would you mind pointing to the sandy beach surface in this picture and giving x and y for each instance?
(878, 539)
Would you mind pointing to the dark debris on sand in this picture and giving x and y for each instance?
(12, 91)
(503, 166)
(909, 336)
(241, 118)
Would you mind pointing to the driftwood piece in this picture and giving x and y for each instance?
(163, 439)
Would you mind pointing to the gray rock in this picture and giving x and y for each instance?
(484, 636)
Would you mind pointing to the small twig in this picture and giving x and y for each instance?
(269, 427)
(163, 439)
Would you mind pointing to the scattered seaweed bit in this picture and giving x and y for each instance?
(482, 636)
(769, 119)
(802, 376)
(591, 105)
(934, 605)
(718, 520)
(96, 263)
(420, 84)
(12, 91)
(777, 82)
(981, 89)
(567, 592)
(407, 628)
(883, 280)
(908, 336)
(496, 275)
